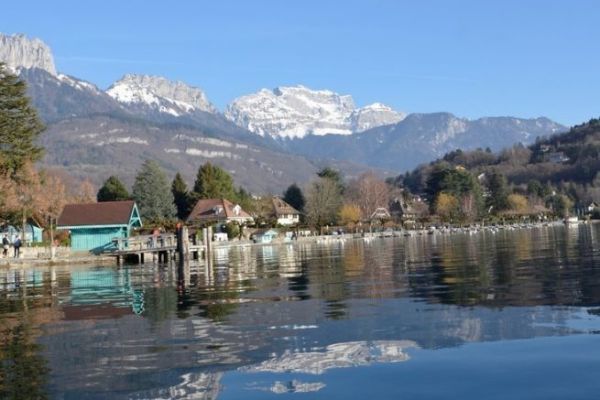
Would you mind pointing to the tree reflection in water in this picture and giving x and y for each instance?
(23, 371)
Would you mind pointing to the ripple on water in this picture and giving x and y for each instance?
(302, 310)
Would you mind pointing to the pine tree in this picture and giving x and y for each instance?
(498, 187)
(152, 193)
(244, 199)
(213, 182)
(19, 125)
(294, 197)
(334, 176)
(181, 196)
(113, 190)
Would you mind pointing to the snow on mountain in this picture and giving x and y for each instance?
(297, 111)
(18, 51)
(160, 94)
(78, 83)
(374, 115)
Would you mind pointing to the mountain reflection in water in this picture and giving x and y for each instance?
(266, 319)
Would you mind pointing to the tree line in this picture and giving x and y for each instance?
(329, 200)
(160, 200)
(559, 174)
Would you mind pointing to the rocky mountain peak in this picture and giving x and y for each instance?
(297, 111)
(374, 115)
(172, 97)
(18, 51)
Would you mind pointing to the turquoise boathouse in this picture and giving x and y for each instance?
(94, 226)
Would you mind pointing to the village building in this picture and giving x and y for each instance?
(93, 226)
(285, 214)
(264, 236)
(380, 214)
(407, 211)
(33, 232)
(557, 157)
(218, 211)
(403, 211)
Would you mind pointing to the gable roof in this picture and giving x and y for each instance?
(380, 212)
(402, 207)
(216, 209)
(282, 207)
(104, 213)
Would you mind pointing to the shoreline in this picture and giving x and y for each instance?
(110, 260)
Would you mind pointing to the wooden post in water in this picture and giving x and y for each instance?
(209, 244)
(183, 245)
(205, 241)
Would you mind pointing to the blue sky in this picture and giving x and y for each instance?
(472, 58)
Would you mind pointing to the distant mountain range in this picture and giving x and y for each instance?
(267, 140)
(421, 138)
(297, 112)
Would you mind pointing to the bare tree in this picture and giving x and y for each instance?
(369, 193)
(323, 202)
(51, 205)
(86, 193)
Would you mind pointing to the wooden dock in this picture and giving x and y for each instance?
(161, 248)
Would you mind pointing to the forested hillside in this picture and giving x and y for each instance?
(566, 163)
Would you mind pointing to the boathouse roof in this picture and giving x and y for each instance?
(111, 213)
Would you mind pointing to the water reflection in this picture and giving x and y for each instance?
(23, 370)
(338, 355)
(176, 331)
(296, 386)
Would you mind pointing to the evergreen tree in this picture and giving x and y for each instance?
(19, 125)
(181, 196)
(459, 183)
(535, 188)
(244, 199)
(334, 176)
(213, 182)
(498, 192)
(294, 197)
(152, 194)
(113, 190)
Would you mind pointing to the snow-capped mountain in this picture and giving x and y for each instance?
(372, 116)
(160, 94)
(297, 111)
(61, 96)
(18, 51)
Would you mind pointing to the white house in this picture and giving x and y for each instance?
(286, 215)
(218, 211)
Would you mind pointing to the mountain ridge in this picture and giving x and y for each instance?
(339, 133)
(290, 112)
(423, 137)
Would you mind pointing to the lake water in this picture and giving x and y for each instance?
(510, 315)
